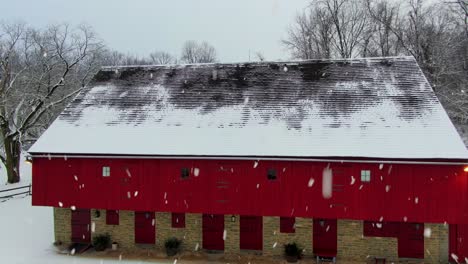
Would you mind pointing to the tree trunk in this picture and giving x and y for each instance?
(12, 159)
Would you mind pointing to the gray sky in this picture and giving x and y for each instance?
(142, 26)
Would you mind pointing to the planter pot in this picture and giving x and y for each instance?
(171, 251)
(115, 246)
(292, 259)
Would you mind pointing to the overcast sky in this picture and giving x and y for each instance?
(140, 26)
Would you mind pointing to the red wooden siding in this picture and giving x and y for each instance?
(418, 193)
(112, 217)
(287, 224)
(325, 237)
(213, 232)
(81, 226)
(145, 228)
(251, 232)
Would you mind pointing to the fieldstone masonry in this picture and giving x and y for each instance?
(274, 240)
(62, 225)
(352, 244)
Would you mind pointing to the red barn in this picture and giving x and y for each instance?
(348, 158)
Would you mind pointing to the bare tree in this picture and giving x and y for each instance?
(192, 52)
(161, 57)
(328, 28)
(311, 35)
(35, 68)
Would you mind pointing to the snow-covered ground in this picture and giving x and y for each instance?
(25, 172)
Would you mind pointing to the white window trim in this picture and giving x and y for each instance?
(365, 175)
(105, 171)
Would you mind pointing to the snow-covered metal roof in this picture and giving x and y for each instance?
(375, 108)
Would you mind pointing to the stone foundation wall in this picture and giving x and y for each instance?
(191, 235)
(274, 240)
(353, 245)
(436, 246)
(123, 233)
(62, 225)
(232, 229)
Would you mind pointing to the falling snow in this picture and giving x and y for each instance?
(255, 164)
(196, 172)
(135, 194)
(427, 232)
(224, 234)
(353, 180)
(93, 227)
(311, 182)
(73, 208)
(72, 252)
(275, 244)
(455, 257)
(76, 177)
(380, 166)
(60, 204)
(387, 188)
(197, 246)
(416, 200)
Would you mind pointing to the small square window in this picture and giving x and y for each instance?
(112, 217)
(365, 175)
(287, 224)
(178, 220)
(271, 174)
(184, 173)
(105, 171)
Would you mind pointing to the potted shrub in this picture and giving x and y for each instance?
(101, 242)
(172, 246)
(292, 252)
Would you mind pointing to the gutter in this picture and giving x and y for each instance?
(253, 158)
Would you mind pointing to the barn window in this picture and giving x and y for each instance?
(380, 229)
(287, 224)
(112, 217)
(184, 173)
(271, 174)
(178, 220)
(365, 175)
(106, 171)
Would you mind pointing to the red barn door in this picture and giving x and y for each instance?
(251, 232)
(81, 226)
(213, 229)
(458, 242)
(411, 240)
(145, 228)
(325, 237)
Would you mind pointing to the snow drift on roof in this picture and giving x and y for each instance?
(381, 107)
